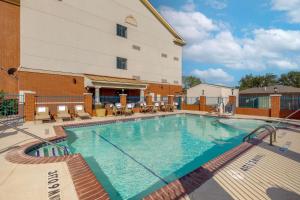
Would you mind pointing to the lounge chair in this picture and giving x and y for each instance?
(42, 114)
(117, 109)
(63, 112)
(129, 109)
(79, 111)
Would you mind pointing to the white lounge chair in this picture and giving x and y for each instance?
(42, 113)
(79, 111)
(63, 112)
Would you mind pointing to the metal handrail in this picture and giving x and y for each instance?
(282, 120)
(247, 137)
(34, 136)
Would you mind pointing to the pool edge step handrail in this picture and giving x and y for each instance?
(34, 136)
(271, 133)
(290, 115)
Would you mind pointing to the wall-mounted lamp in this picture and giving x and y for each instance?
(202, 92)
(275, 90)
(232, 91)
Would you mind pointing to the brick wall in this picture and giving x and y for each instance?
(190, 107)
(253, 111)
(285, 113)
(9, 44)
(51, 84)
(163, 89)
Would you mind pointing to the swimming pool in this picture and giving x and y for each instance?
(134, 158)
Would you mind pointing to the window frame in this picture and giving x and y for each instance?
(121, 63)
(121, 31)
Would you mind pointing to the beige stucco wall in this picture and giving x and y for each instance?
(211, 91)
(80, 37)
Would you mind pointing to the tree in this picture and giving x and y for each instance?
(190, 81)
(290, 79)
(250, 81)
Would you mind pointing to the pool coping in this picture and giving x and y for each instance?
(88, 187)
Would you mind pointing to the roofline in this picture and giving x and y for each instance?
(178, 39)
(15, 2)
(224, 86)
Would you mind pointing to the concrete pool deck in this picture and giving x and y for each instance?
(23, 181)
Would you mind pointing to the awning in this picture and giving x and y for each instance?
(113, 82)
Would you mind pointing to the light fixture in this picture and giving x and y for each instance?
(275, 90)
(232, 90)
(202, 92)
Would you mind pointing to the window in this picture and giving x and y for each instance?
(121, 31)
(164, 55)
(176, 58)
(121, 63)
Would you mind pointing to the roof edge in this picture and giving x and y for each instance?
(15, 2)
(178, 39)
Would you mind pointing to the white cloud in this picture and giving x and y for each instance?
(189, 6)
(211, 42)
(217, 4)
(291, 7)
(213, 74)
(192, 25)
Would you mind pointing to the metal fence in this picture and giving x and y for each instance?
(290, 102)
(109, 99)
(191, 100)
(135, 99)
(11, 106)
(254, 102)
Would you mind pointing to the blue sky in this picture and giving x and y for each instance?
(227, 39)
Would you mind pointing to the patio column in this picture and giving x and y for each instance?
(29, 105)
(149, 99)
(97, 95)
(232, 101)
(142, 93)
(123, 99)
(170, 99)
(202, 103)
(88, 103)
(275, 105)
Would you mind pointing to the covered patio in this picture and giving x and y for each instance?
(108, 89)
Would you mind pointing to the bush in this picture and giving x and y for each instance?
(8, 106)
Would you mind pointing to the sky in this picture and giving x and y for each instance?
(227, 39)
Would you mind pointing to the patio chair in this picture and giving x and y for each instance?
(118, 109)
(170, 108)
(63, 112)
(129, 109)
(79, 111)
(155, 107)
(42, 114)
(143, 107)
(163, 107)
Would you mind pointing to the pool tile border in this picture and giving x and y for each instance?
(88, 187)
(84, 180)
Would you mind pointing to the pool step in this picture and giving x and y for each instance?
(51, 151)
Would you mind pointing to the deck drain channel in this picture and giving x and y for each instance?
(131, 157)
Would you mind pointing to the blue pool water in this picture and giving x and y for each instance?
(132, 159)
